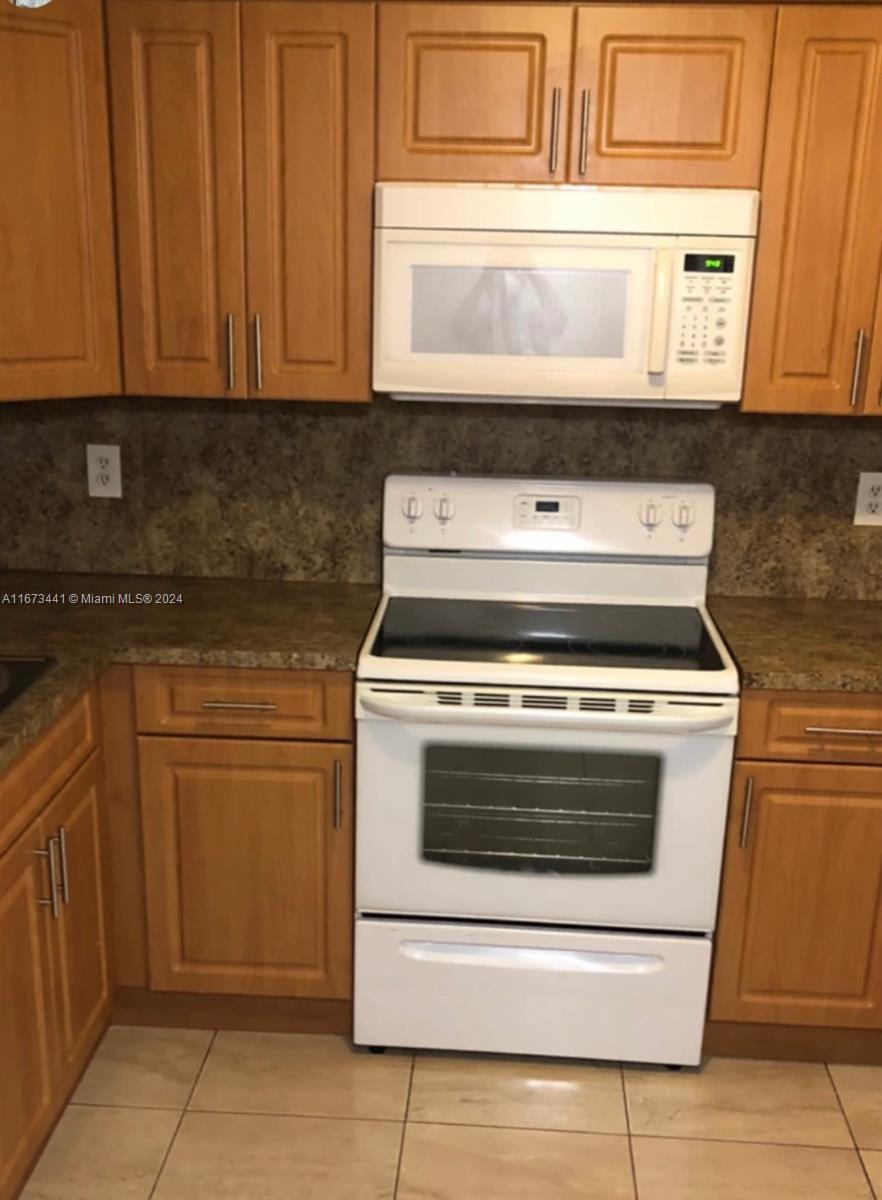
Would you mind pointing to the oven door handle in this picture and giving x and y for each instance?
(397, 710)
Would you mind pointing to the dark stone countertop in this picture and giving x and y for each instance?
(808, 645)
(803, 645)
(220, 623)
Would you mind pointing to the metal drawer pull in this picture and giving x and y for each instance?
(745, 816)
(859, 344)
(62, 848)
(843, 732)
(583, 132)
(243, 705)
(229, 321)
(258, 352)
(338, 793)
(52, 902)
(555, 130)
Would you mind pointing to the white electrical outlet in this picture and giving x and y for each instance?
(868, 509)
(103, 471)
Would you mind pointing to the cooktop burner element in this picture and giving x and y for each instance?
(653, 637)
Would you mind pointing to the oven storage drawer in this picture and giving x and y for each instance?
(504, 989)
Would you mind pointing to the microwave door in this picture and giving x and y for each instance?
(546, 316)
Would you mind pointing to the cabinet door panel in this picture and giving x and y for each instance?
(800, 931)
(26, 1048)
(80, 934)
(248, 876)
(308, 71)
(467, 91)
(180, 209)
(58, 319)
(820, 235)
(672, 96)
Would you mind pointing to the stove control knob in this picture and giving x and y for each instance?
(650, 517)
(683, 516)
(444, 509)
(412, 507)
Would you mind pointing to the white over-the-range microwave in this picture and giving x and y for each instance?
(562, 295)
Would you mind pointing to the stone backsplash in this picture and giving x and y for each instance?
(292, 491)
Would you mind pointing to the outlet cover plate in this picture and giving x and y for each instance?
(868, 507)
(103, 471)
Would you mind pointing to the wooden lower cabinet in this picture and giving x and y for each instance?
(27, 1074)
(79, 934)
(54, 979)
(248, 861)
(799, 938)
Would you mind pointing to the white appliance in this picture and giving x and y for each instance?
(546, 720)
(562, 295)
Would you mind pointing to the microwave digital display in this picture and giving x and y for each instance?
(716, 264)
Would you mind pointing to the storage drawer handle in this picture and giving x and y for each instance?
(555, 130)
(240, 705)
(62, 850)
(532, 958)
(52, 902)
(842, 732)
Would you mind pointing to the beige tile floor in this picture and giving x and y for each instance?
(167, 1114)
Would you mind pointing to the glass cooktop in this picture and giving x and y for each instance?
(597, 635)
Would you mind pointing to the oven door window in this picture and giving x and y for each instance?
(541, 811)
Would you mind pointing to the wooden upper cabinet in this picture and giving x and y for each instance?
(872, 406)
(58, 318)
(27, 1080)
(180, 209)
(474, 91)
(670, 95)
(248, 864)
(82, 982)
(799, 938)
(309, 150)
(820, 234)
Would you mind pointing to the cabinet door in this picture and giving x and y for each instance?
(672, 96)
(58, 321)
(799, 938)
(473, 91)
(180, 210)
(248, 859)
(27, 1086)
(309, 153)
(82, 986)
(820, 234)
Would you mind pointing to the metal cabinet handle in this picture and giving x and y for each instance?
(583, 131)
(258, 352)
(338, 793)
(745, 815)
(62, 850)
(242, 705)
(841, 731)
(52, 902)
(555, 130)
(230, 325)
(859, 345)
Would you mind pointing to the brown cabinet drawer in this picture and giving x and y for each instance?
(237, 702)
(811, 727)
(44, 767)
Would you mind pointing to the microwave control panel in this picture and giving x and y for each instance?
(707, 287)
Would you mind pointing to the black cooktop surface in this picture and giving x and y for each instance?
(597, 635)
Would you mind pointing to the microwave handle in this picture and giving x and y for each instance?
(659, 320)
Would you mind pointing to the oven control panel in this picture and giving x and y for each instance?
(547, 512)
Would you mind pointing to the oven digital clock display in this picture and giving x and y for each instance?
(547, 512)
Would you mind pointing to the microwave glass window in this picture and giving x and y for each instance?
(565, 812)
(555, 313)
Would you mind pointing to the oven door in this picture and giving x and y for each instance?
(541, 816)
(531, 315)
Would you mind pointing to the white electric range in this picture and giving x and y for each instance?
(546, 721)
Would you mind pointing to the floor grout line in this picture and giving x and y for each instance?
(628, 1129)
(404, 1127)
(857, 1148)
(174, 1136)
